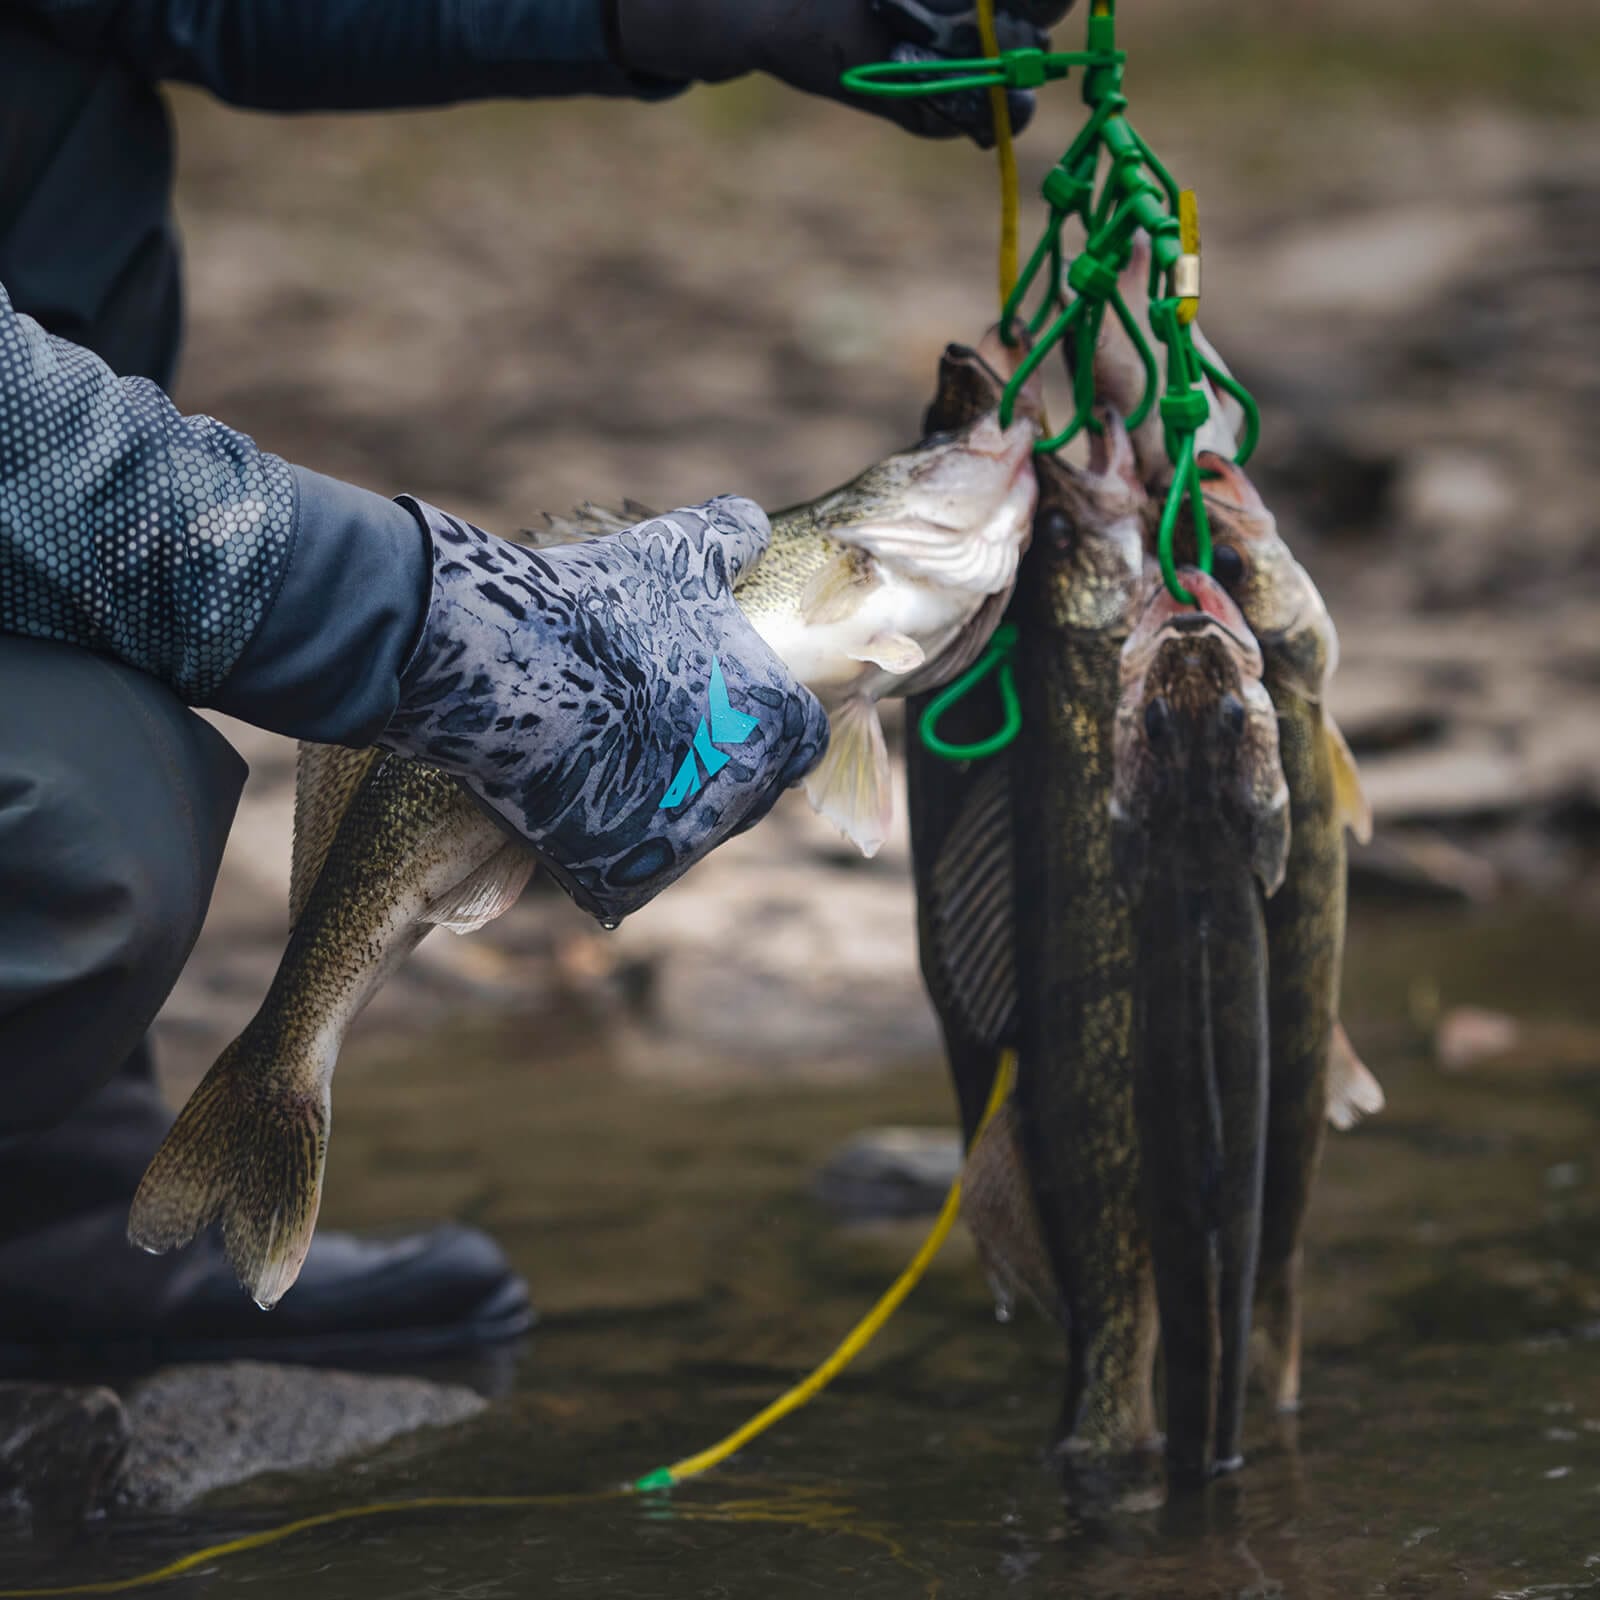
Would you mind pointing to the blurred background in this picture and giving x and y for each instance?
(514, 308)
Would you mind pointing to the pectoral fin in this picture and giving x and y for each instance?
(838, 589)
(851, 787)
(998, 1207)
(484, 894)
(1350, 800)
(894, 652)
(1353, 1092)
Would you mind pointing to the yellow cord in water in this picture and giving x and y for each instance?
(1006, 154)
(859, 1336)
(854, 1343)
(287, 1530)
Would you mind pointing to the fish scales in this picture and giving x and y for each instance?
(1074, 956)
(1306, 918)
(260, 1119)
(1305, 933)
(1201, 822)
(887, 581)
(1201, 1013)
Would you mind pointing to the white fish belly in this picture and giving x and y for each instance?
(828, 657)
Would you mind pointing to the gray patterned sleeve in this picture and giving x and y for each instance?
(125, 526)
(607, 700)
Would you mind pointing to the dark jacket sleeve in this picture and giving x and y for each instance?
(176, 545)
(304, 55)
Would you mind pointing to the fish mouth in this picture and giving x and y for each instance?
(1012, 447)
(1213, 613)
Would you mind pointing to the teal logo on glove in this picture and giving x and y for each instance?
(727, 726)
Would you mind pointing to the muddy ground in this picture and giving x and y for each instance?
(510, 308)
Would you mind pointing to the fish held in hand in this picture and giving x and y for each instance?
(386, 849)
(1201, 829)
(879, 584)
(888, 584)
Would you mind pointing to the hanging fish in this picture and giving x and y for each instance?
(1201, 829)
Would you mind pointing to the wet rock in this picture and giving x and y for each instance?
(1414, 864)
(199, 1428)
(59, 1449)
(1472, 1040)
(1469, 1036)
(890, 1172)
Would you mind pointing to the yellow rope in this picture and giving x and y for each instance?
(859, 1336)
(1006, 154)
(287, 1530)
(853, 1344)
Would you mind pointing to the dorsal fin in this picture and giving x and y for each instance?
(587, 521)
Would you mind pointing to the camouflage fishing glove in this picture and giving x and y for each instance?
(808, 43)
(607, 700)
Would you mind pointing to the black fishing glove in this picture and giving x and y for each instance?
(809, 43)
(607, 700)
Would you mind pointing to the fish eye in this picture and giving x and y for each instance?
(1230, 712)
(1158, 719)
(1227, 566)
(1053, 525)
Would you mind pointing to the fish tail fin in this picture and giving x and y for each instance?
(851, 786)
(1353, 1092)
(247, 1148)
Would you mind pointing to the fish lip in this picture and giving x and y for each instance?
(1017, 439)
(1192, 624)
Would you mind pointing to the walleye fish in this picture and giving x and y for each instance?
(879, 584)
(1314, 1071)
(1024, 939)
(960, 864)
(1201, 823)
(1074, 939)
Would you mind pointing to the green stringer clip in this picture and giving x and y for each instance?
(1114, 185)
(997, 659)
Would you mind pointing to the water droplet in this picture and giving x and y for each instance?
(1004, 1303)
(611, 924)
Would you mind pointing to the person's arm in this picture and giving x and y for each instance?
(608, 702)
(336, 55)
(176, 545)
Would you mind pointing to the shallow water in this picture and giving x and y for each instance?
(1450, 1442)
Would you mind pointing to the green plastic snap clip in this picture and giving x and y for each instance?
(996, 658)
